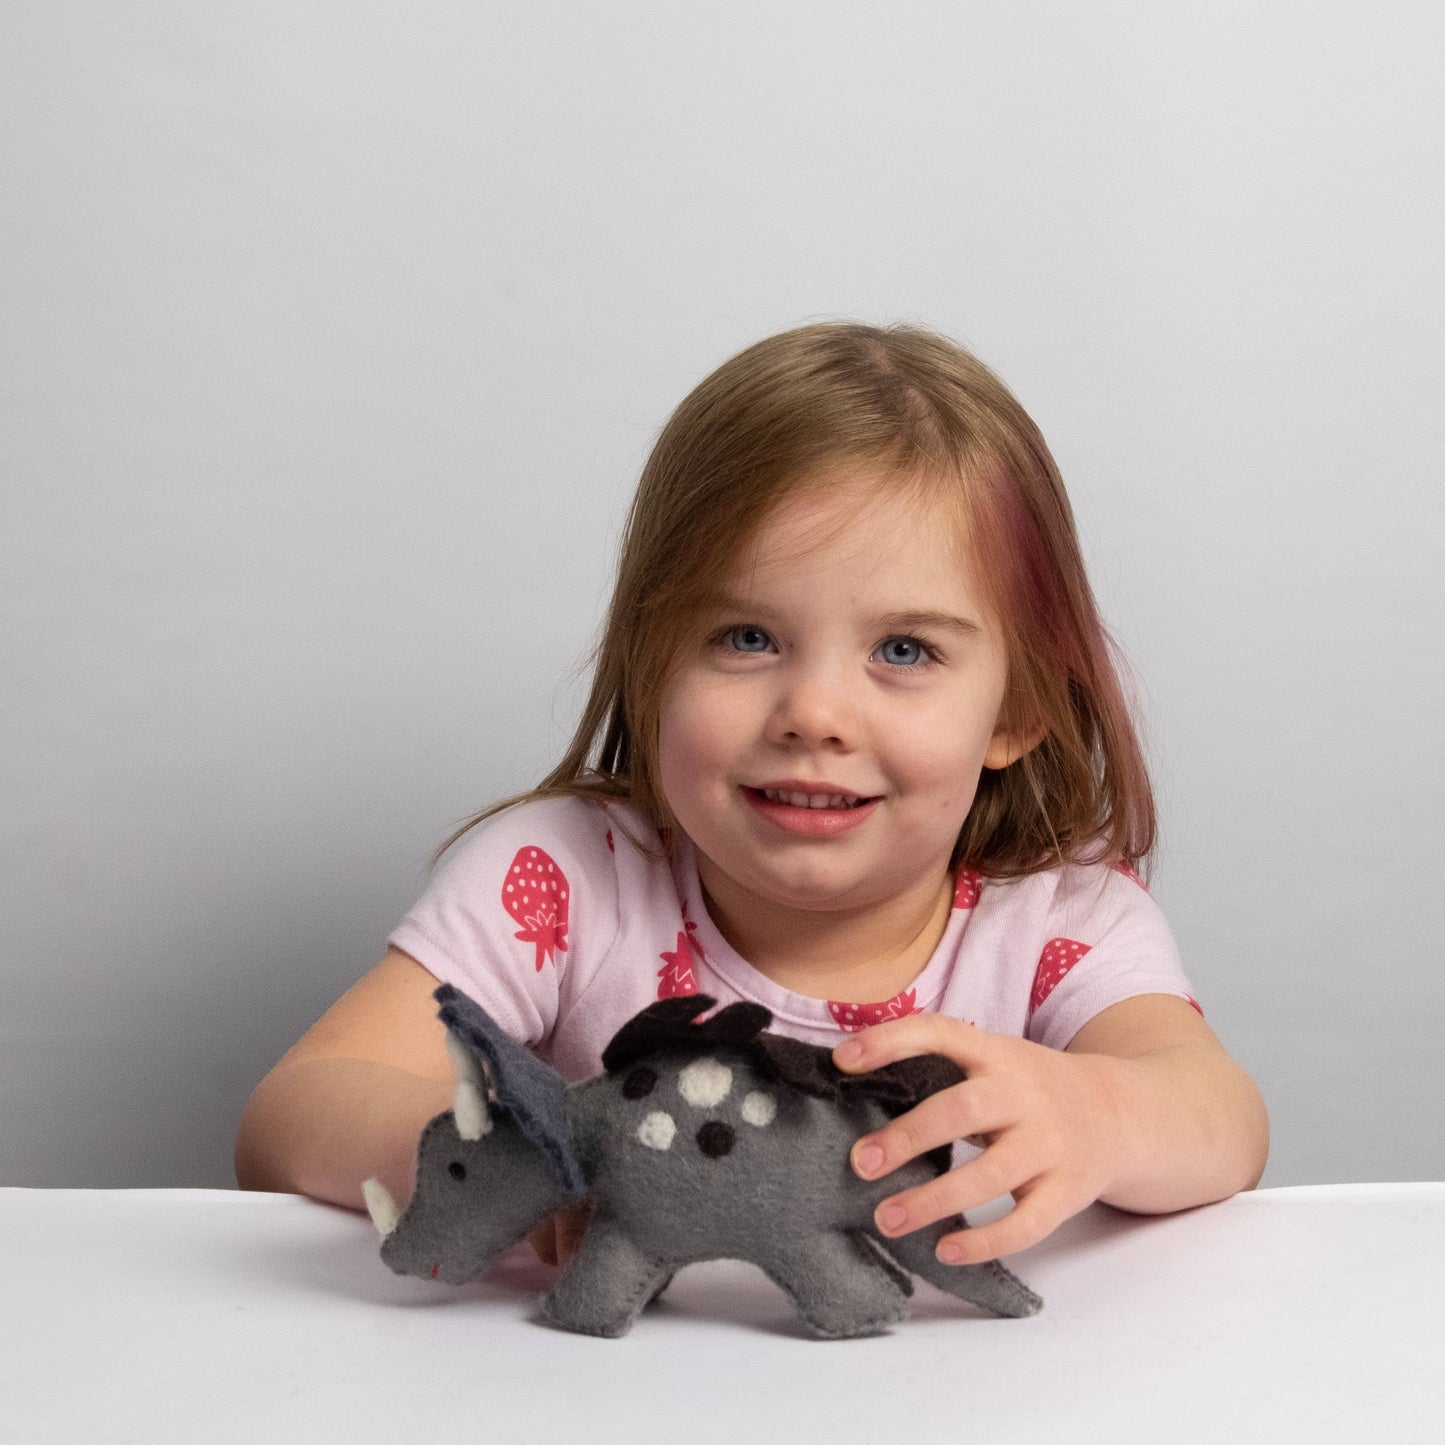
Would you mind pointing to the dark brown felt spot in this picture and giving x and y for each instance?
(715, 1139)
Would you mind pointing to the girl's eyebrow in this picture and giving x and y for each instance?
(946, 620)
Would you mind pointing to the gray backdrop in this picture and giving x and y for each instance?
(334, 338)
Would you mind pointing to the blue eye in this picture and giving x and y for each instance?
(746, 638)
(903, 652)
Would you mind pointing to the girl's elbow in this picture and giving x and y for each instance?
(1263, 1142)
(1253, 1125)
(257, 1158)
(248, 1157)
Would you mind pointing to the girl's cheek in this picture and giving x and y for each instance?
(693, 740)
(703, 719)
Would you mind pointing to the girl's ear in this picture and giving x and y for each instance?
(1008, 747)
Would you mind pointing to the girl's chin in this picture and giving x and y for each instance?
(832, 893)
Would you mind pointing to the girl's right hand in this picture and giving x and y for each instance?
(557, 1237)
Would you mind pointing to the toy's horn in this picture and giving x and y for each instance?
(470, 1106)
(380, 1206)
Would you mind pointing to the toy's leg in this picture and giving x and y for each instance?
(989, 1286)
(607, 1283)
(840, 1286)
(657, 1292)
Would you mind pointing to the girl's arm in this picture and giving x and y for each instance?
(1198, 1124)
(349, 1100)
(1144, 1110)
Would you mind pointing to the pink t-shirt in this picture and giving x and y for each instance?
(562, 929)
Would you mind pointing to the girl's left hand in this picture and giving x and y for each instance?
(1052, 1125)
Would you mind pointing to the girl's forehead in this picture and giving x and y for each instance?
(859, 519)
(882, 556)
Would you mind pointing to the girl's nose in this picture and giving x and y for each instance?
(813, 709)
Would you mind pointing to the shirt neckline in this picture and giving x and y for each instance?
(751, 983)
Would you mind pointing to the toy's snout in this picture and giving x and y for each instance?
(472, 1118)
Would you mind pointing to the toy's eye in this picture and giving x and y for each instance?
(639, 1084)
(457, 1169)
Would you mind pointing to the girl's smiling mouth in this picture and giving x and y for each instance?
(815, 810)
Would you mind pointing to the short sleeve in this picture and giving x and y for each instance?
(1105, 940)
(520, 913)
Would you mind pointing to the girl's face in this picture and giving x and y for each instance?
(822, 734)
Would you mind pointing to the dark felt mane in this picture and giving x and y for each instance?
(673, 1025)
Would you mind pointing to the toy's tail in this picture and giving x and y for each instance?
(990, 1286)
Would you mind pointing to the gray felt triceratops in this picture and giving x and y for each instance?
(701, 1140)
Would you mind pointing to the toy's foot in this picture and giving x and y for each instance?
(606, 1284)
(661, 1289)
(840, 1286)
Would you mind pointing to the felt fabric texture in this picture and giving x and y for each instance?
(526, 1088)
(699, 1141)
(678, 1021)
(807, 1068)
(473, 1199)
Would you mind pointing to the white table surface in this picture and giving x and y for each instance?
(152, 1316)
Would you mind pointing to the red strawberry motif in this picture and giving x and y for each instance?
(611, 846)
(677, 978)
(966, 891)
(1058, 957)
(855, 1016)
(1125, 867)
(535, 894)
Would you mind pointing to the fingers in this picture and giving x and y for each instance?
(976, 1107)
(906, 1038)
(1000, 1170)
(1038, 1213)
(1027, 1106)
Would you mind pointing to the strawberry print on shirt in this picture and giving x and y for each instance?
(677, 978)
(1058, 957)
(535, 894)
(855, 1016)
(597, 912)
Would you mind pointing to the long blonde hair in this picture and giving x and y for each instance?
(913, 406)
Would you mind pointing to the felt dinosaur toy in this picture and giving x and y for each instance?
(700, 1140)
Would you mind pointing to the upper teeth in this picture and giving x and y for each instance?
(810, 800)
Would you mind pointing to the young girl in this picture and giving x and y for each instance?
(855, 750)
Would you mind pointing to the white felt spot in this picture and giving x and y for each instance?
(657, 1131)
(760, 1109)
(704, 1083)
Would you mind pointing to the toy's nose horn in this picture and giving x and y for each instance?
(380, 1206)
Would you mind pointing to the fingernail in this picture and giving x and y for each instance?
(848, 1053)
(950, 1253)
(870, 1160)
(892, 1216)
